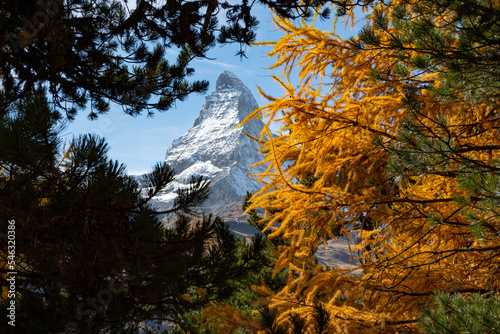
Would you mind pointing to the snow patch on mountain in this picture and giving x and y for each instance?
(218, 148)
(201, 168)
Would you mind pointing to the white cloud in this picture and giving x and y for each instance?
(225, 66)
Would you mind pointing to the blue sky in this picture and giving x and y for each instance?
(140, 142)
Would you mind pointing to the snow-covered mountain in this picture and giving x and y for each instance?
(220, 150)
(217, 148)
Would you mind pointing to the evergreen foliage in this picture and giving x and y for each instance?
(457, 40)
(456, 313)
(91, 254)
(236, 314)
(103, 52)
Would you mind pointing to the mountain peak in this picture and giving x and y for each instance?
(220, 150)
(227, 80)
(231, 101)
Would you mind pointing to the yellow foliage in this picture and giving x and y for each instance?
(327, 177)
(223, 317)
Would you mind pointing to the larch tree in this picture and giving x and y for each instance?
(389, 140)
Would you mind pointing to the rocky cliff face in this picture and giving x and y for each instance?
(217, 148)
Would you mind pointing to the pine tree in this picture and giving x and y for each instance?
(456, 313)
(103, 52)
(237, 314)
(91, 253)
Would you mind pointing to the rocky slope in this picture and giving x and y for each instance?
(220, 150)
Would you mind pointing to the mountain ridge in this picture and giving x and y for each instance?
(218, 148)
